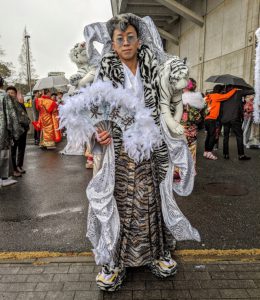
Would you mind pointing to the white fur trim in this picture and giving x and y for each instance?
(140, 137)
(193, 99)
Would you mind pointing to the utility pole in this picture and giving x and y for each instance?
(28, 63)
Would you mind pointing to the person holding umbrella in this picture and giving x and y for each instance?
(213, 101)
(48, 121)
(232, 110)
(232, 118)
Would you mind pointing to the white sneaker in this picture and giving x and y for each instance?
(9, 181)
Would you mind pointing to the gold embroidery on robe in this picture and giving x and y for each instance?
(48, 122)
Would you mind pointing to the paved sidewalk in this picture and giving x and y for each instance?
(74, 279)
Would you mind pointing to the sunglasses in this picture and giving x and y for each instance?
(130, 40)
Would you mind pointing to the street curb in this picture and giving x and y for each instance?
(206, 255)
(33, 255)
(214, 255)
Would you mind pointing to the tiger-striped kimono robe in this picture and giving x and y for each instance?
(143, 235)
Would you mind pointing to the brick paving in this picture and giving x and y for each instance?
(66, 279)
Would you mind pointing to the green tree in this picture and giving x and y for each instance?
(5, 72)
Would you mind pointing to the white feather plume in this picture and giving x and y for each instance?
(140, 137)
(193, 99)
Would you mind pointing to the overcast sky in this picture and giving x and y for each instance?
(54, 26)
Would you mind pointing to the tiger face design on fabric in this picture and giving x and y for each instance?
(173, 77)
(86, 71)
(78, 54)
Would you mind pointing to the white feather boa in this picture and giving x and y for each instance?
(193, 99)
(257, 80)
(139, 138)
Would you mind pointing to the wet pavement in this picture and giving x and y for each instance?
(47, 208)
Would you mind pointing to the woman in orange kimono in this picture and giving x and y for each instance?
(48, 121)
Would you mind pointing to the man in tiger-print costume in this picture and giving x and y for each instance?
(144, 238)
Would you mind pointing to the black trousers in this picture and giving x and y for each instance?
(237, 129)
(37, 135)
(17, 158)
(210, 127)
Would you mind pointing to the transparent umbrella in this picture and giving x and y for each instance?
(50, 82)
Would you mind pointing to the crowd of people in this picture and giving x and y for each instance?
(15, 124)
(224, 107)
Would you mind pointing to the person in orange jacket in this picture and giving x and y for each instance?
(213, 103)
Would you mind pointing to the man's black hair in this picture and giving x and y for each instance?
(121, 22)
(11, 88)
(46, 91)
(218, 88)
(229, 87)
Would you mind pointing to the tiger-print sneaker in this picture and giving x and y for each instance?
(164, 267)
(110, 279)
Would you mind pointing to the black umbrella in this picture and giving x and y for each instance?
(229, 79)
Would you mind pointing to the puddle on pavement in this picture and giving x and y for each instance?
(17, 219)
(61, 211)
(225, 189)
